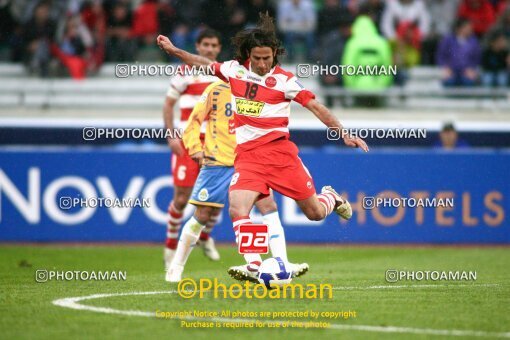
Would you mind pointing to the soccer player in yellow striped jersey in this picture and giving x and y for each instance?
(220, 139)
(216, 155)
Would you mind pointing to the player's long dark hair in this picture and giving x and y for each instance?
(263, 35)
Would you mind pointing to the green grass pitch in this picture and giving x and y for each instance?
(424, 309)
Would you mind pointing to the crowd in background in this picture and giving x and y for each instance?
(468, 39)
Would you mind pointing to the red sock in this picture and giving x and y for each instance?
(173, 226)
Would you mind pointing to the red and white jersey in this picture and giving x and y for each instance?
(261, 103)
(188, 89)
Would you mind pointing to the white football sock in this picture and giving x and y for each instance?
(276, 235)
(189, 237)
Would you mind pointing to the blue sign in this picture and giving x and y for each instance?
(85, 195)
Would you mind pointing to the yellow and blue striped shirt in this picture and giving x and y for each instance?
(220, 138)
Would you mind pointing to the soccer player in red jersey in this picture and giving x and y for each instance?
(266, 158)
(186, 89)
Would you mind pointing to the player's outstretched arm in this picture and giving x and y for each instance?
(190, 59)
(322, 112)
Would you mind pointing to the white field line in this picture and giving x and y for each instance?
(73, 303)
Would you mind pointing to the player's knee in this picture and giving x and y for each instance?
(267, 206)
(236, 211)
(233, 211)
(180, 200)
(314, 214)
(203, 214)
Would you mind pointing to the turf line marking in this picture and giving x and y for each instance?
(73, 303)
(416, 286)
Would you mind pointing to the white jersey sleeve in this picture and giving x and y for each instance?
(178, 85)
(295, 91)
(226, 69)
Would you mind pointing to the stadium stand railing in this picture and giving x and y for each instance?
(105, 91)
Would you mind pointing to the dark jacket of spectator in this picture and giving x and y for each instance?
(494, 60)
(372, 8)
(213, 15)
(254, 7)
(331, 16)
(503, 23)
(39, 28)
(119, 20)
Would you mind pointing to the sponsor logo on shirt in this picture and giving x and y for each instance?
(249, 108)
(254, 78)
(240, 73)
(231, 126)
(270, 81)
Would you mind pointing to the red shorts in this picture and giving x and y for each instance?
(184, 169)
(275, 165)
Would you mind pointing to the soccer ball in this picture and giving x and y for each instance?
(274, 271)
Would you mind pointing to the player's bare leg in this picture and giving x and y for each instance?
(189, 237)
(205, 241)
(277, 244)
(175, 213)
(241, 202)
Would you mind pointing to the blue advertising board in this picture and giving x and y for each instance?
(466, 196)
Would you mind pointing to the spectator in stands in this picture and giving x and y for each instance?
(10, 35)
(187, 13)
(94, 17)
(227, 17)
(332, 49)
(449, 138)
(406, 50)
(73, 47)
(213, 15)
(182, 21)
(501, 7)
(331, 16)
(398, 12)
(145, 20)
(254, 7)
(181, 26)
(236, 14)
(119, 45)
(459, 56)
(373, 8)
(367, 48)
(297, 20)
(145, 23)
(503, 23)
(479, 12)
(38, 34)
(496, 61)
(442, 17)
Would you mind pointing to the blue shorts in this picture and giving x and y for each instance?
(211, 187)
